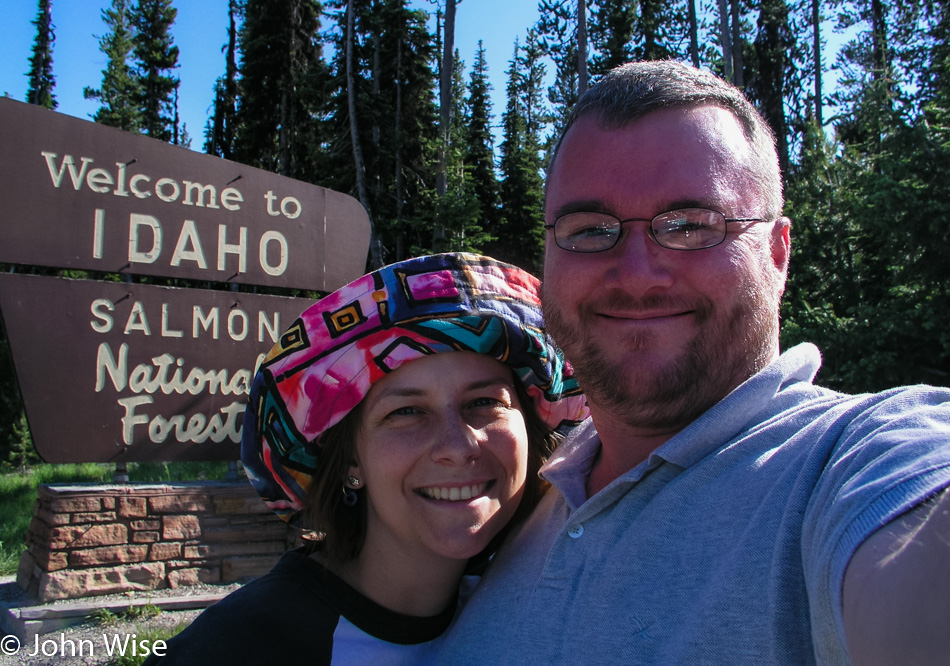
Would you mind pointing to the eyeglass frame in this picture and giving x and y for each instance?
(652, 221)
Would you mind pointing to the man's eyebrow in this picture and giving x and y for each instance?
(598, 206)
(580, 206)
(692, 203)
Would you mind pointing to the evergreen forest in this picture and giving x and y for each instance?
(371, 98)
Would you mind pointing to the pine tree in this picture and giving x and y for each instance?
(456, 211)
(396, 129)
(445, 92)
(119, 92)
(42, 81)
(558, 32)
(611, 32)
(521, 234)
(156, 57)
(479, 142)
(219, 133)
(693, 25)
(871, 260)
(282, 74)
(880, 68)
(816, 59)
(660, 27)
(774, 69)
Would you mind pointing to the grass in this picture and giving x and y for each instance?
(18, 493)
(106, 618)
(150, 634)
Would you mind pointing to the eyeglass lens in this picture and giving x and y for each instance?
(685, 229)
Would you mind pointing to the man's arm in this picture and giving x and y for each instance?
(897, 590)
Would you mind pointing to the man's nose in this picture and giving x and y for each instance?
(639, 263)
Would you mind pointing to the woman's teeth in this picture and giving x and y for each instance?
(455, 493)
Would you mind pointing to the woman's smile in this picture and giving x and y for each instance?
(454, 493)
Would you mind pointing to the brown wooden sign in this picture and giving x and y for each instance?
(122, 372)
(127, 372)
(77, 194)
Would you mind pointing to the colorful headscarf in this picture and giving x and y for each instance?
(326, 362)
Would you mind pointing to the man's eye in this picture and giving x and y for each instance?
(680, 227)
(590, 231)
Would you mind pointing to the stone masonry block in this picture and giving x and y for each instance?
(269, 531)
(51, 518)
(40, 530)
(164, 551)
(184, 577)
(90, 582)
(75, 504)
(145, 537)
(210, 575)
(92, 557)
(50, 561)
(133, 507)
(215, 521)
(94, 517)
(194, 552)
(180, 504)
(254, 548)
(240, 505)
(237, 568)
(151, 525)
(87, 536)
(27, 569)
(180, 527)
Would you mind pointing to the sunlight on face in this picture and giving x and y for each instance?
(443, 453)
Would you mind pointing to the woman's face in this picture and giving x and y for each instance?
(442, 451)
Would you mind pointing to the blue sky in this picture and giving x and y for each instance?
(200, 31)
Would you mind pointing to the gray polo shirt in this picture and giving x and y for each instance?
(728, 545)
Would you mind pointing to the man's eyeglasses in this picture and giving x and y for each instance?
(683, 229)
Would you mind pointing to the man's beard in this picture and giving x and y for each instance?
(728, 349)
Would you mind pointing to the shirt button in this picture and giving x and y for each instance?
(576, 532)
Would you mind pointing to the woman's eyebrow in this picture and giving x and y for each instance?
(490, 383)
(399, 392)
(415, 391)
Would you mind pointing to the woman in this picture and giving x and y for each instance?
(403, 419)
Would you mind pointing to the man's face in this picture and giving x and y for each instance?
(657, 336)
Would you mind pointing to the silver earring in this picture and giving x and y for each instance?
(349, 494)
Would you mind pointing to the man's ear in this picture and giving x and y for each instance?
(781, 244)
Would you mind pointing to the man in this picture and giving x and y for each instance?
(718, 508)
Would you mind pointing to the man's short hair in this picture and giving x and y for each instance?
(631, 91)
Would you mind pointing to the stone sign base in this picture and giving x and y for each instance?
(87, 540)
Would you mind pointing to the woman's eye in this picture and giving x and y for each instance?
(488, 402)
(404, 411)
